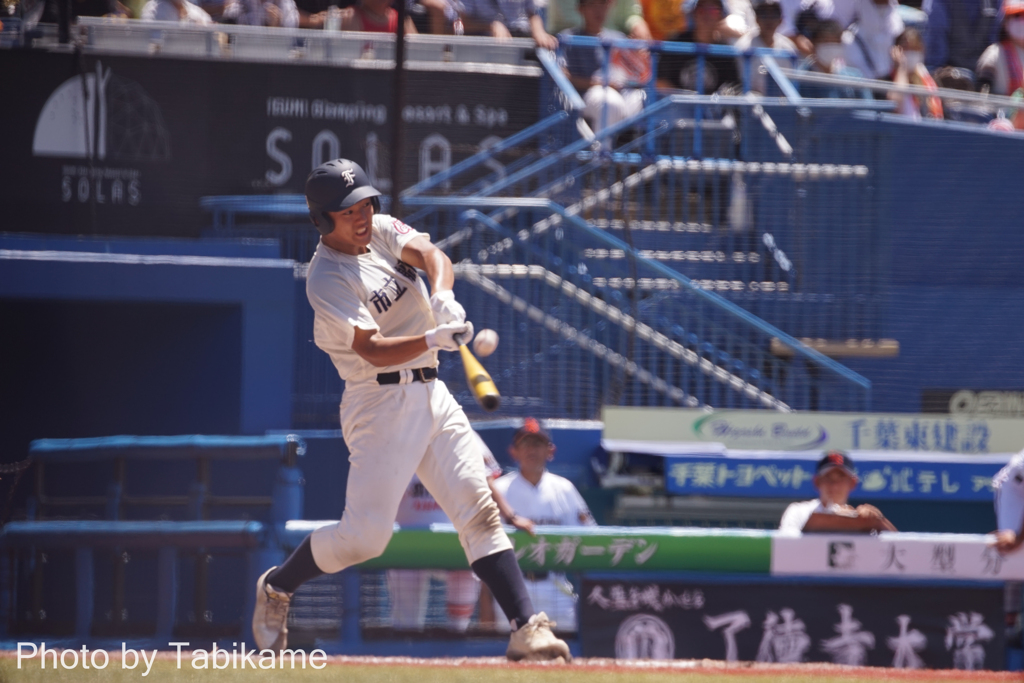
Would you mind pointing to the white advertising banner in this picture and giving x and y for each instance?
(670, 429)
(895, 555)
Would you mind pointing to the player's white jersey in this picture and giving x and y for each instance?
(418, 508)
(1009, 494)
(553, 501)
(794, 519)
(1012, 474)
(376, 290)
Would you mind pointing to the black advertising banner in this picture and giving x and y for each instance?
(896, 626)
(161, 133)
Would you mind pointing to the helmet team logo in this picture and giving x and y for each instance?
(102, 116)
(336, 185)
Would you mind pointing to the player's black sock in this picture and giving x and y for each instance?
(502, 575)
(296, 570)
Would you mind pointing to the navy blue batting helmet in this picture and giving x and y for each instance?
(337, 185)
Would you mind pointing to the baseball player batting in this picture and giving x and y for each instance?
(382, 329)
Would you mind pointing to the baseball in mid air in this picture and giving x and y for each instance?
(485, 342)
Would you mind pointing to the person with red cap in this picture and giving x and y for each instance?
(835, 478)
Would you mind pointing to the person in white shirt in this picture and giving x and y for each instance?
(835, 479)
(547, 499)
(181, 11)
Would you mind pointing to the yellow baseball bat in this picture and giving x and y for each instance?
(480, 382)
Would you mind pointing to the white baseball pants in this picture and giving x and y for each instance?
(393, 432)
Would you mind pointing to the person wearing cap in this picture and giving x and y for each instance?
(768, 14)
(835, 479)
(1000, 69)
(546, 499)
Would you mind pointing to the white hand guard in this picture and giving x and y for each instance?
(447, 337)
(446, 309)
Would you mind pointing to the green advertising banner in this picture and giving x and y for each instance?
(582, 549)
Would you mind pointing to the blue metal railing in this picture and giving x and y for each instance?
(544, 233)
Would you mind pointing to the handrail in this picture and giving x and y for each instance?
(710, 297)
(992, 101)
(547, 60)
(623, 320)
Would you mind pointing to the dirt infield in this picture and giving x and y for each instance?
(165, 667)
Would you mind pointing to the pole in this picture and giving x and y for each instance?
(397, 143)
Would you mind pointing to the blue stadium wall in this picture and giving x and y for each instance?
(951, 204)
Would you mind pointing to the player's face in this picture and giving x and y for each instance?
(352, 228)
(532, 455)
(835, 486)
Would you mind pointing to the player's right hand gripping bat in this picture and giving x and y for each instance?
(480, 383)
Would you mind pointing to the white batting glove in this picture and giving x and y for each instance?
(446, 309)
(449, 336)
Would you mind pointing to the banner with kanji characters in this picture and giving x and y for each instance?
(914, 627)
(898, 555)
(790, 475)
(665, 429)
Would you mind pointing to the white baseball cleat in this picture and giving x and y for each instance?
(270, 618)
(534, 642)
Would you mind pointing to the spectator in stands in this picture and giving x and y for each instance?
(375, 16)
(622, 97)
(182, 11)
(768, 14)
(625, 16)
(829, 57)
(955, 78)
(681, 70)
(544, 498)
(665, 18)
(909, 69)
(505, 19)
(958, 31)
(261, 13)
(835, 480)
(1000, 69)
(876, 24)
(84, 8)
(800, 19)
(441, 16)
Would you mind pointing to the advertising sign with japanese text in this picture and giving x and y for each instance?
(650, 429)
(901, 627)
(901, 555)
(789, 475)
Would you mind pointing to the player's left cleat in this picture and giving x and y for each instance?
(270, 618)
(534, 642)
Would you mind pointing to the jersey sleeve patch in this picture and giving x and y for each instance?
(400, 227)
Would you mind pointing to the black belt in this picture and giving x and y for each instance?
(535, 576)
(418, 375)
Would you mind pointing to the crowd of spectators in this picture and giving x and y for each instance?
(973, 45)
